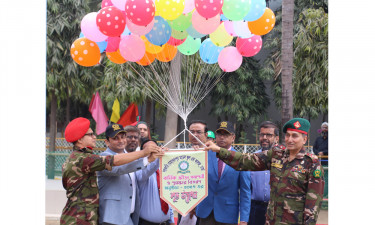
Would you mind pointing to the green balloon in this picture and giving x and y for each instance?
(179, 34)
(182, 22)
(235, 9)
(190, 46)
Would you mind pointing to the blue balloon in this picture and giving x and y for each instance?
(223, 18)
(102, 45)
(257, 8)
(81, 35)
(126, 31)
(209, 52)
(194, 33)
(160, 33)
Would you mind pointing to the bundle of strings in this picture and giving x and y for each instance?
(180, 84)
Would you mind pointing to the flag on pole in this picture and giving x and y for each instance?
(97, 112)
(115, 111)
(130, 115)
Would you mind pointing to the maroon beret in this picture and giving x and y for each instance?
(76, 129)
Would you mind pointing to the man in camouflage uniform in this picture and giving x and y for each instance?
(79, 177)
(296, 179)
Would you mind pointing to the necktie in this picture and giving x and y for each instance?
(164, 205)
(219, 167)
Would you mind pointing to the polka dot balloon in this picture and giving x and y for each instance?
(140, 12)
(249, 46)
(85, 52)
(160, 33)
(111, 21)
(106, 3)
(264, 24)
(208, 8)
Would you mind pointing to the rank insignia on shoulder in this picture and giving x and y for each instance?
(317, 173)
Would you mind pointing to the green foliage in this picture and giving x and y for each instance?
(64, 77)
(241, 94)
(311, 62)
(310, 77)
(242, 138)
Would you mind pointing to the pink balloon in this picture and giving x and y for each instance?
(230, 59)
(90, 29)
(203, 25)
(140, 13)
(249, 46)
(120, 4)
(132, 48)
(189, 6)
(106, 3)
(229, 28)
(175, 42)
(112, 44)
(111, 21)
(140, 30)
(208, 8)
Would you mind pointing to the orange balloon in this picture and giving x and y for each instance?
(168, 53)
(147, 59)
(264, 24)
(150, 48)
(85, 52)
(115, 57)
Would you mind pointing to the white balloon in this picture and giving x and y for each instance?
(241, 29)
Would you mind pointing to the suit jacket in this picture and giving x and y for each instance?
(115, 193)
(228, 196)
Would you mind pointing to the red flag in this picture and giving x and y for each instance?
(97, 112)
(129, 116)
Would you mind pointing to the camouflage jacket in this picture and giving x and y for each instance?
(79, 181)
(296, 186)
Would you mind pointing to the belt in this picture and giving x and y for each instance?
(259, 202)
(145, 222)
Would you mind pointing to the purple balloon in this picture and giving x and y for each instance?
(230, 59)
(90, 29)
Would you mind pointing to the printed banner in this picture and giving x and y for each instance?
(183, 179)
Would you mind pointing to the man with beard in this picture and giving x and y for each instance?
(260, 180)
(321, 143)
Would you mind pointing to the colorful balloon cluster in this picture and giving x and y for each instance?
(144, 30)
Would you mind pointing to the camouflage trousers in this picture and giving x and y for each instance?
(79, 215)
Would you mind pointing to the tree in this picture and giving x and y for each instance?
(65, 79)
(287, 60)
(311, 62)
(273, 63)
(241, 94)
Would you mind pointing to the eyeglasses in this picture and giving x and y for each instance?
(132, 137)
(267, 135)
(90, 134)
(196, 132)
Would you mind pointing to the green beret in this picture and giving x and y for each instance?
(297, 124)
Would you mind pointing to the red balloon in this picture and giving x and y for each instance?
(112, 44)
(208, 8)
(111, 21)
(106, 3)
(175, 42)
(249, 46)
(140, 13)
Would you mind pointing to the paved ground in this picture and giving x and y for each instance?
(56, 199)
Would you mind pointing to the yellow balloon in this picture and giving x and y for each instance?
(169, 9)
(220, 36)
(150, 48)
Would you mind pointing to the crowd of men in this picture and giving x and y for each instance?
(274, 185)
